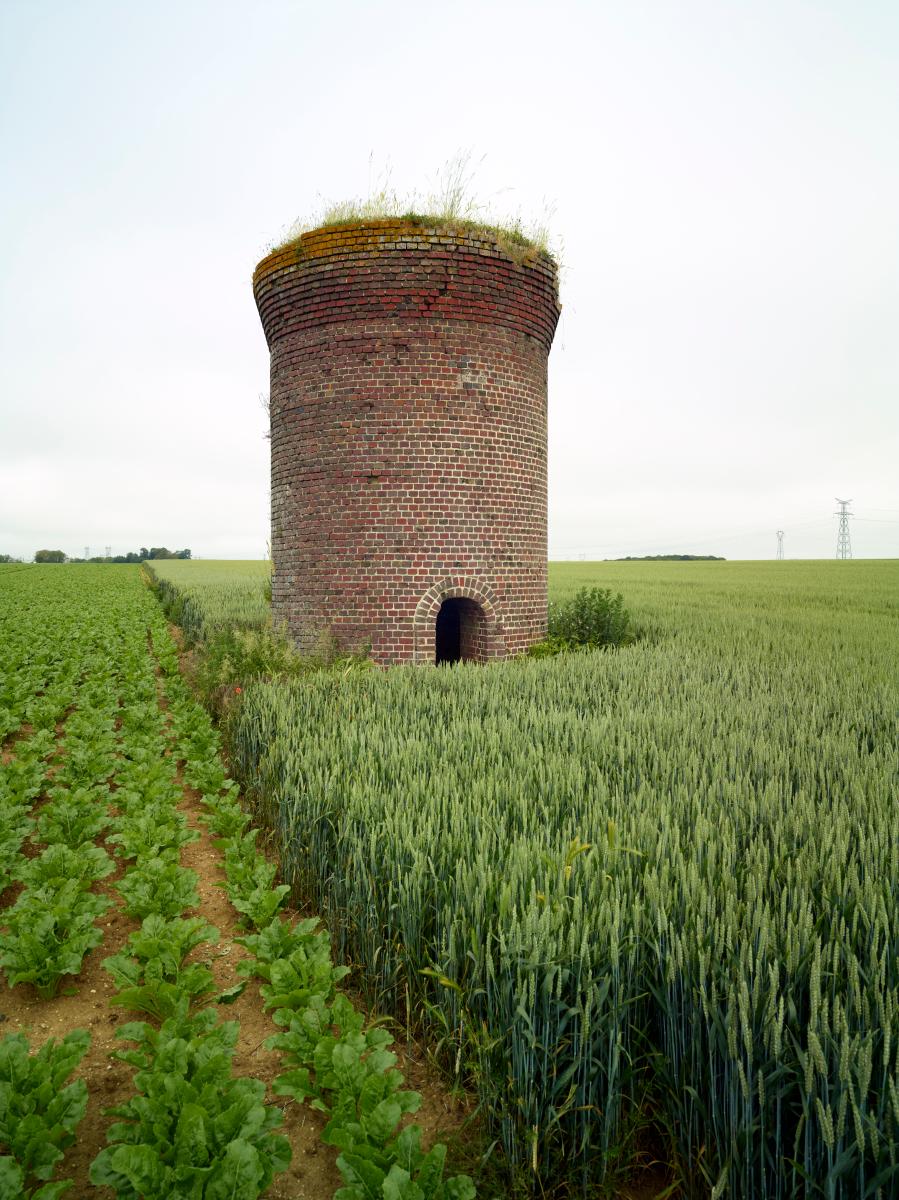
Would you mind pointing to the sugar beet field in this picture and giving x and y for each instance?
(635, 902)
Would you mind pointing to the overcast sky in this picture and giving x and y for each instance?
(724, 180)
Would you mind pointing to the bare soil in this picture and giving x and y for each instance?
(7, 749)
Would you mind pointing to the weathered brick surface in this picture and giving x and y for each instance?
(408, 405)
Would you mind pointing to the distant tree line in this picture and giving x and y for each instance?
(133, 556)
(672, 558)
(9, 558)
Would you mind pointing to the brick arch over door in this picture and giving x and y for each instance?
(493, 644)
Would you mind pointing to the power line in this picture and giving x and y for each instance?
(639, 541)
(844, 544)
(696, 537)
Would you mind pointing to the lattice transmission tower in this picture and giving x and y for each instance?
(844, 542)
(780, 544)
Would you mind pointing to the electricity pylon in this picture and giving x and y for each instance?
(844, 543)
(780, 544)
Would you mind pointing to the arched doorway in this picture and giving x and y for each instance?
(459, 631)
(480, 628)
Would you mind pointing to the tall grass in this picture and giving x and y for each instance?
(451, 202)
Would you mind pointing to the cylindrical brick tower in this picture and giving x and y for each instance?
(408, 425)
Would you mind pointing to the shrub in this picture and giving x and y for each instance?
(592, 617)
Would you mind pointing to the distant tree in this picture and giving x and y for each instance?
(133, 556)
(8, 558)
(49, 556)
(142, 555)
(164, 552)
(671, 558)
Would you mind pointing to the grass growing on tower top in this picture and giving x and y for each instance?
(452, 205)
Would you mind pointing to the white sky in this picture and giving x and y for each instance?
(725, 185)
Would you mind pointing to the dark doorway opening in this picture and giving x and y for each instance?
(448, 640)
(458, 632)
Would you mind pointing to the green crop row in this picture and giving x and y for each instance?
(46, 933)
(85, 641)
(38, 675)
(40, 1110)
(192, 1128)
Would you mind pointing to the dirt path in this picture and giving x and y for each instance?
(312, 1172)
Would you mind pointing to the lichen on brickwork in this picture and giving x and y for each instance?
(510, 239)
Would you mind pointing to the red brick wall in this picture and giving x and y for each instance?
(471, 628)
(408, 406)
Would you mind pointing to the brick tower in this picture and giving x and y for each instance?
(408, 424)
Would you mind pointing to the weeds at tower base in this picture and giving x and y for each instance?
(592, 618)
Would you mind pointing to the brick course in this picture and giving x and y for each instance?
(408, 419)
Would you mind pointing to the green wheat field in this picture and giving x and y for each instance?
(656, 883)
